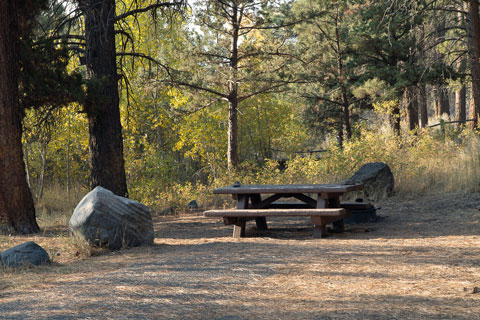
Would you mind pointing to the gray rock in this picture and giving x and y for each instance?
(105, 219)
(192, 204)
(25, 254)
(377, 179)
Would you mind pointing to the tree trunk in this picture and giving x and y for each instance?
(27, 166)
(102, 104)
(68, 158)
(473, 28)
(340, 135)
(232, 147)
(423, 109)
(41, 178)
(341, 79)
(16, 202)
(460, 106)
(410, 98)
(441, 103)
(444, 101)
(395, 120)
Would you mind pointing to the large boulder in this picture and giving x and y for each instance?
(377, 179)
(105, 219)
(25, 254)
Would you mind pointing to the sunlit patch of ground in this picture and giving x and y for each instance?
(420, 261)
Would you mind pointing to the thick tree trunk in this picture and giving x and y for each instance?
(473, 29)
(460, 106)
(16, 202)
(423, 109)
(102, 105)
(441, 103)
(410, 99)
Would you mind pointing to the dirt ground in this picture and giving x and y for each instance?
(421, 260)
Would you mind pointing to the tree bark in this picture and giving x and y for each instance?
(232, 147)
(473, 29)
(410, 98)
(423, 109)
(341, 80)
(460, 106)
(441, 103)
(102, 104)
(16, 202)
(340, 135)
(41, 178)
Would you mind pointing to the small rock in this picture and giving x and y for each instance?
(473, 291)
(192, 204)
(28, 253)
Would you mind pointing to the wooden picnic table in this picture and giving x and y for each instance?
(260, 201)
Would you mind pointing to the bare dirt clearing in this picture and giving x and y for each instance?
(420, 261)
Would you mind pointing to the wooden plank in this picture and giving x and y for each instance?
(289, 188)
(306, 199)
(356, 205)
(264, 203)
(275, 212)
(289, 205)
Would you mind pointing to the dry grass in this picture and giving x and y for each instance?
(420, 261)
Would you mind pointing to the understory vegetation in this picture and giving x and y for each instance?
(432, 162)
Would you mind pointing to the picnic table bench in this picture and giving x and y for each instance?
(323, 210)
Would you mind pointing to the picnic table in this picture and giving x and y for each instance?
(256, 202)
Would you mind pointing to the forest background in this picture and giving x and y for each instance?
(211, 92)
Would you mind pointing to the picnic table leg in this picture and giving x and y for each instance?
(319, 227)
(240, 223)
(325, 200)
(261, 222)
(339, 225)
(239, 228)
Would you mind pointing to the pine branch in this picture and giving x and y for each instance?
(157, 5)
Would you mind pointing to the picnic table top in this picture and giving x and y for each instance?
(288, 188)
